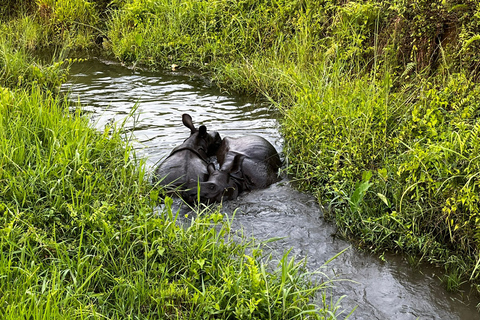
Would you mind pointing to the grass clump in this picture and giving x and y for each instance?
(195, 33)
(21, 70)
(63, 25)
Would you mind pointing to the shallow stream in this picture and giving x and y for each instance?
(389, 289)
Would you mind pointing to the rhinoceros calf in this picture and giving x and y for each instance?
(246, 163)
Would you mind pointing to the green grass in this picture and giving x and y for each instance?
(66, 26)
(82, 237)
(20, 70)
(397, 170)
(379, 104)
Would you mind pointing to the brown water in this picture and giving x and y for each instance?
(388, 289)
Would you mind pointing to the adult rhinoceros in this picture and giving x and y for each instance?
(187, 163)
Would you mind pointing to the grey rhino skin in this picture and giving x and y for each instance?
(246, 163)
(187, 163)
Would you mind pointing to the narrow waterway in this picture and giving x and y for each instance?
(389, 289)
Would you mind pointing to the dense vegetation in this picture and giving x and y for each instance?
(380, 100)
(380, 105)
(82, 235)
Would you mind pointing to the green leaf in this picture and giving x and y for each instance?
(383, 198)
(138, 40)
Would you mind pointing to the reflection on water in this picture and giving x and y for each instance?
(382, 290)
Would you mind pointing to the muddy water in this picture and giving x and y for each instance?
(388, 289)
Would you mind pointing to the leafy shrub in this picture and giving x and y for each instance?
(440, 165)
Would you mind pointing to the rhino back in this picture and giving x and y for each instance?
(252, 147)
(181, 167)
(258, 174)
(260, 160)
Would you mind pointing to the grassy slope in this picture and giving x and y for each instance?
(79, 235)
(379, 98)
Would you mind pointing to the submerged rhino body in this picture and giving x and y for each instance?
(187, 163)
(246, 163)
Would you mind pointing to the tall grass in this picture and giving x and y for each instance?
(14, 8)
(380, 112)
(63, 25)
(21, 70)
(195, 33)
(396, 169)
(81, 237)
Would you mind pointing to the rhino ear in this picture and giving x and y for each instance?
(203, 131)
(237, 163)
(210, 168)
(187, 121)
